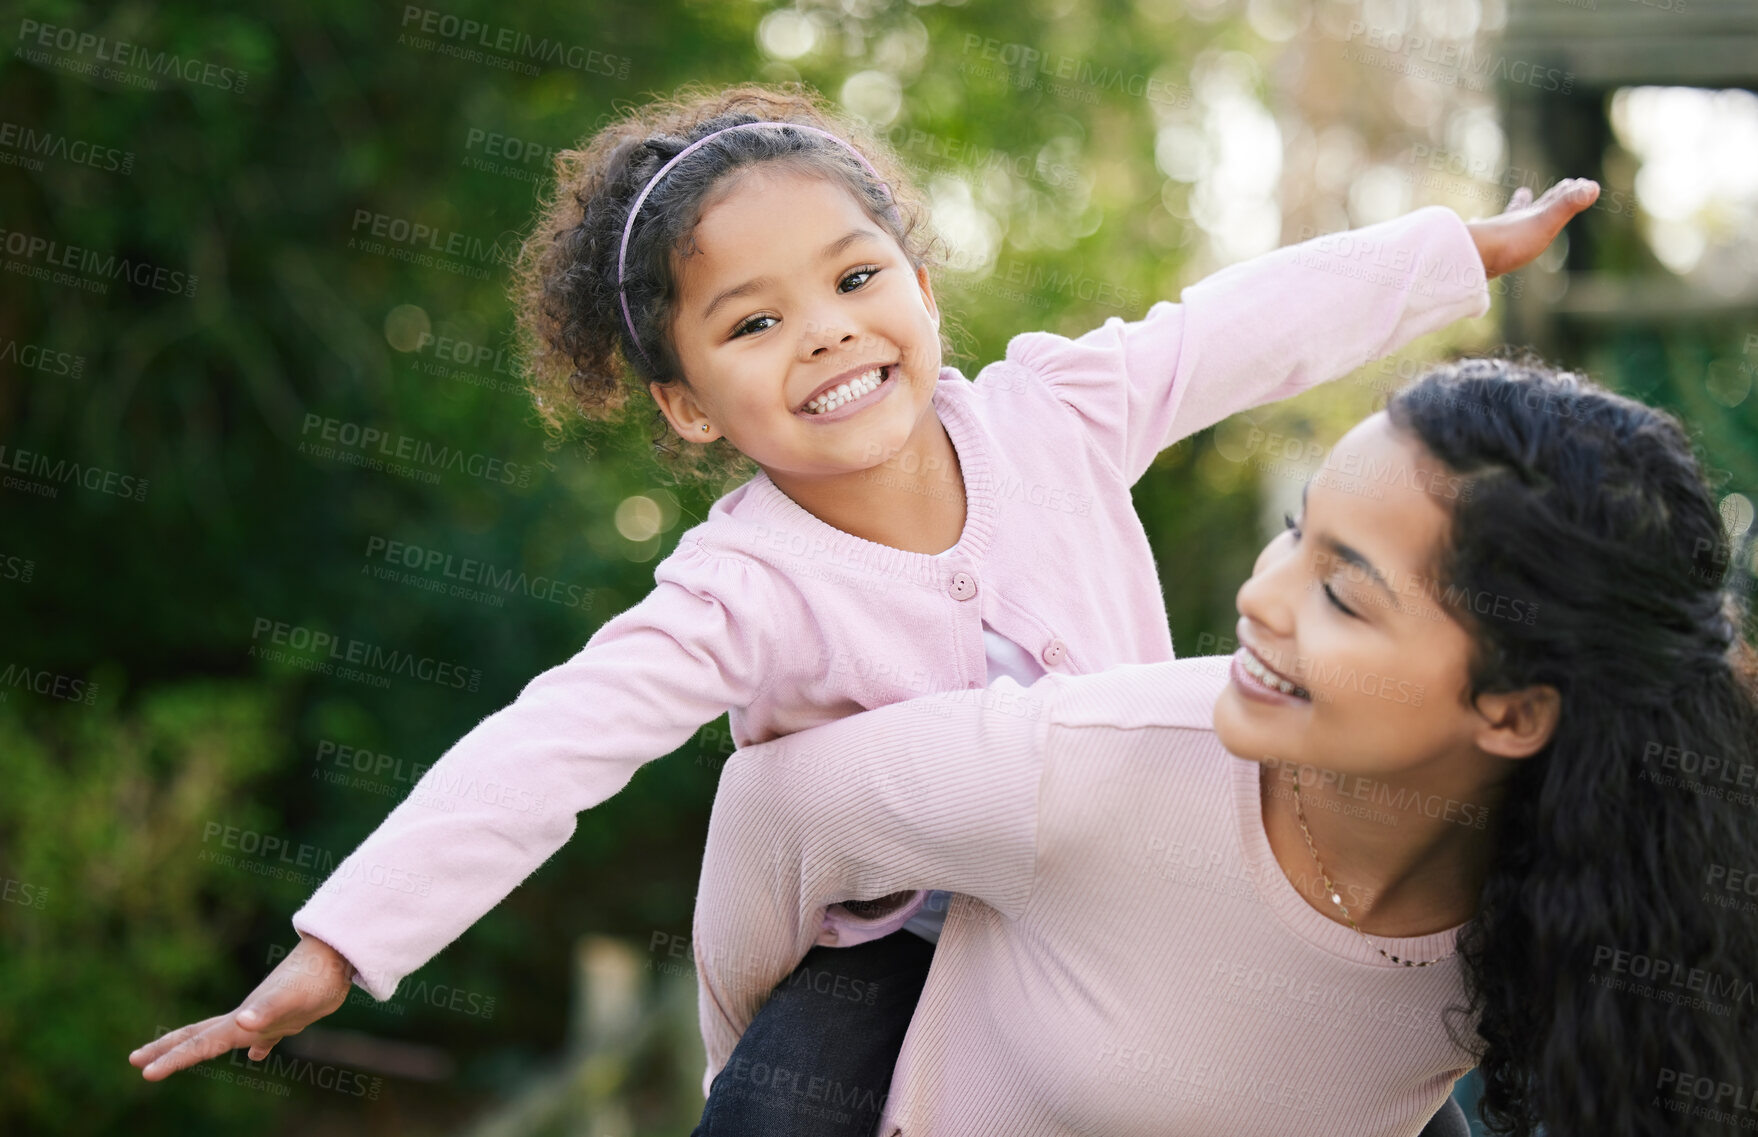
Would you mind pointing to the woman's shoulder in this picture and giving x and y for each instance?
(1175, 694)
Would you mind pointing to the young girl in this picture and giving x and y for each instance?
(759, 266)
(1520, 872)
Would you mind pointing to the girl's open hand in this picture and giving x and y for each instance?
(1513, 237)
(310, 983)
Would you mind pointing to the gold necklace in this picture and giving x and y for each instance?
(1337, 897)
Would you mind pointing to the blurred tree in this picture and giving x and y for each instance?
(121, 911)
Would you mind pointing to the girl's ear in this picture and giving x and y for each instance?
(927, 288)
(679, 406)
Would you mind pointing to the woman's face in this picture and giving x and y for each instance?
(1343, 609)
(789, 294)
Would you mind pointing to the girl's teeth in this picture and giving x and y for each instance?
(837, 396)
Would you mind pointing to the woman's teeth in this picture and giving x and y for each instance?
(846, 392)
(1255, 668)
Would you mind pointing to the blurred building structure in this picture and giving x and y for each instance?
(1608, 48)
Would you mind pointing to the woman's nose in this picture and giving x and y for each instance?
(1268, 596)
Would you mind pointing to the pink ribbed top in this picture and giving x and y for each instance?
(1125, 956)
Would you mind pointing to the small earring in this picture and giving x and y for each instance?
(704, 426)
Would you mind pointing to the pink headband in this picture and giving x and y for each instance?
(629, 226)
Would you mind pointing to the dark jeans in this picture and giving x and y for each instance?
(1449, 1122)
(817, 1059)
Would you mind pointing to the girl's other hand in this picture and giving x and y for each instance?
(310, 983)
(1516, 235)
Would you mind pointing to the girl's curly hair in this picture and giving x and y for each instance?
(579, 357)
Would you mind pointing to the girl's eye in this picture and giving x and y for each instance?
(869, 273)
(861, 275)
(748, 326)
(1293, 526)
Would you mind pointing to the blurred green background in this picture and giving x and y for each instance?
(1084, 158)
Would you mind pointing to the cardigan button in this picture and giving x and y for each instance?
(964, 586)
(1054, 651)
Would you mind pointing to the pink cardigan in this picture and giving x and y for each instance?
(1124, 956)
(768, 612)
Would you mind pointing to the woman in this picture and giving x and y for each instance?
(1460, 673)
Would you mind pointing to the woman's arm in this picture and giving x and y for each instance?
(935, 792)
(1270, 327)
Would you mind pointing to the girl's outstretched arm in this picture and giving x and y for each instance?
(1270, 327)
(505, 797)
(940, 791)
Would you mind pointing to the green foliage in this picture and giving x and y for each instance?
(118, 926)
(276, 194)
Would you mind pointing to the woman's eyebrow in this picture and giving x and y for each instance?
(755, 283)
(1349, 554)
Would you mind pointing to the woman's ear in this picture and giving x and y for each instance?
(678, 404)
(1518, 724)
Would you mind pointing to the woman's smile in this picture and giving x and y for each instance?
(1255, 679)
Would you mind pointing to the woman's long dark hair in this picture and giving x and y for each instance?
(1611, 965)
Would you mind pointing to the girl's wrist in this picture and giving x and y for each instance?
(336, 959)
(1486, 256)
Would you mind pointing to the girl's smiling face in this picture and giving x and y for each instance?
(1345, 608)
(806, 337)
